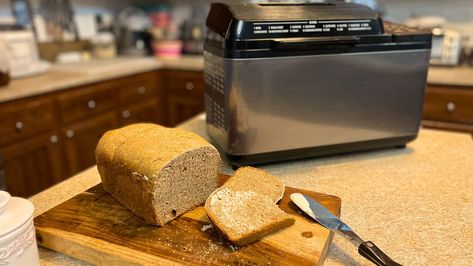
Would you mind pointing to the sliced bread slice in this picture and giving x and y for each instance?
(253, 179)
(245, 216)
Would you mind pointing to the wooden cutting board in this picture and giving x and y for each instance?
(95, 228)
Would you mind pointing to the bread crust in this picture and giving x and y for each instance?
(255, 179)
(132, 162)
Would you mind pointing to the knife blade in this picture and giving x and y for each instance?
(323, 216)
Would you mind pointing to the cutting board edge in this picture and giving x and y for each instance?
(47, 238)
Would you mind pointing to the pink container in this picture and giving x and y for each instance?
(168, 48)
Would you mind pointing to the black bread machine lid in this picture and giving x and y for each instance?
(275, 29)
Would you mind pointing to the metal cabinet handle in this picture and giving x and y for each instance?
(451, 106)
(91, 104)
(189, 86)
(19, 125)
(126, 114)
(70, 133)
(54, 139)
(142, 90)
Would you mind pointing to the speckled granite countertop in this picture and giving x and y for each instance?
(63, 76)
(415, 203)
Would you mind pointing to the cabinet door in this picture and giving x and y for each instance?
(147, 111)
(33, 165)
(81, 140)
(23, 119)
(181, 108)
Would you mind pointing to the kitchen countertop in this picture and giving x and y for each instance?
(63, 76)
(456, 76)
(414, 203)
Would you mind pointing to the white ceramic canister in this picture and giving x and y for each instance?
(17, 233)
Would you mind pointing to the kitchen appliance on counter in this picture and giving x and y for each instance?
(132, 32)
(446, 41)
(446, 47)
(287, 81)
(22, 51)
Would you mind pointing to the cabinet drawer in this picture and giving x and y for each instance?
(138, 87)
(185, 82)
(449, 104)
(23, 119)
(146, 111)
(86, 101)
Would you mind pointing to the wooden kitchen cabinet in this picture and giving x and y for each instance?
(33, 165)
(81, 140)
(184, 95)
(449, 108)
(146, 111)
(140, 87)
(23, 119)
(46, 138)
(181, 108)
(87, 113)
(86, 101)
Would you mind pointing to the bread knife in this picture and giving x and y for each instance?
(323, 216)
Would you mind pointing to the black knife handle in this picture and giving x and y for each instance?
(374, 254)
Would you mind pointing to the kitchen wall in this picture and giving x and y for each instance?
(455, 11)
(452, 10)
(80, 5)
(396, 10)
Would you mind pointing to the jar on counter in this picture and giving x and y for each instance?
(17, 233)
(4, 65)
(103, 45)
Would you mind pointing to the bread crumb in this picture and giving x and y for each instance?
(206, 227)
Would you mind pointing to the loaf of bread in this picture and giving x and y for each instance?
(245, 216)
(158, 173)
(258, 180)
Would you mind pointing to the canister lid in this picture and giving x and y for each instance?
(14, 212)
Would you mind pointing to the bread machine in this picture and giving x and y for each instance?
(286, 81)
